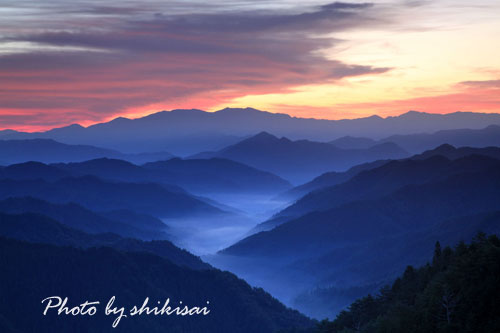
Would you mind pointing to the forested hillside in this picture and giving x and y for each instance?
(459, 291)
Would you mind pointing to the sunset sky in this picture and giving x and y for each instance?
(87, 61)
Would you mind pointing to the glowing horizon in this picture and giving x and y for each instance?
(88, 62)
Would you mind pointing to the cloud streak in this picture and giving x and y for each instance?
(95, 61)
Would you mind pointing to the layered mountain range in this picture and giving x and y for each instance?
(187, 132)
(316, 212)
(352, 237)
(301, 160)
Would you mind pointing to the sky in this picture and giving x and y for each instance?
(89, 61)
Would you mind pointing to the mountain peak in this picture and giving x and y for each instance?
(119, 120)
(241, 112)
(263, 136)
(28, 165)
(247, 109)
(444, 148)
(8, 131)
(191, 111)
(69, 128)
(412, 114)
(104, 161)
(74, 126)
(171, 115)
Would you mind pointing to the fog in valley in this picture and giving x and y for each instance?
(205, 235)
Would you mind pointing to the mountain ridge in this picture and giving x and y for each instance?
(186, 132)
(299, 160)
(52, 151)
(388, 177)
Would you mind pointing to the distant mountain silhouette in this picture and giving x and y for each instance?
(453, 153)
(186, 132)
(50, 151)
(301, 160)
(349, 142)
(417, 143)
(101, 195)
(125, 223)
(35, 271)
